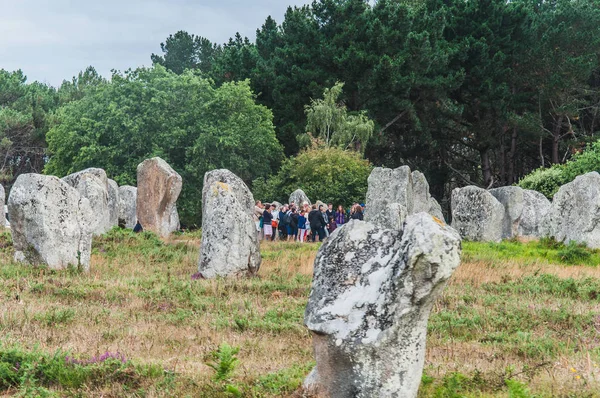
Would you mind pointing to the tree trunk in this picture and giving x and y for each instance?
(511, 157)
(555, 140)
(485, 167)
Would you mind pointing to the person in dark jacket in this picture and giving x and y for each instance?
(267, 219)
(316, 224)
(357, 214)
(293, 225)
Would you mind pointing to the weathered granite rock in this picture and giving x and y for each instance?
(392, 216)
(127, 206)
(373, 290)
(50, 222)
(320, 203)
(420, 189)
(435, 209)
(422, 199)
(92, 184)
(524, 211)
(535, 209)
(229, 242)
(113, 202)
(575, 212)
(512, 199)
(158, 187)
(477, 215)
(387, 186)
(299, 198)
(3, 221)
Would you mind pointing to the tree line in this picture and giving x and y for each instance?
(470, 92)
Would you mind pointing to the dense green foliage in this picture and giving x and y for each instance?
(331, 175)
(184, 119)
(549, 180)
(470, 92)
(475, 92)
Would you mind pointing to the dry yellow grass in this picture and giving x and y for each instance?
(139, 299)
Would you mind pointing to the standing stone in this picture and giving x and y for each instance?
(535, 209)
(3, 221)
(229, 240)
(113, 202)
(512, 199)
(420, 188)
(389, 196)
(477, 215)
(159, 187)
(299, 198)
(372, 293)
(50, 222)
(422, 199)
(319, 204)
(575, 212)
(92, 184)
(524, 211)
(276, 204)
(127, 206)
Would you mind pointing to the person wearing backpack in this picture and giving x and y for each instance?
(294, 224)
(316, 224)
(283, 223)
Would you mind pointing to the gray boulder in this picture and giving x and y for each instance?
(512, 199)
(113, 202)
(575, 212)
(477, 215)
(127, 206)
(50, 222)
(3, 221)
(92, 184)
(229, 241)
(299, 198)
(535, 209)
(524, 211)
(387, 186)
(394, 194)
(158, 187)
(372, 293)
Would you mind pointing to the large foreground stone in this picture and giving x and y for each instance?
(477, 215)
(575, 212)
(229, 240)
(159, 187)
(127, 206)
(373, 290)
(299, 198)
(92, 184)
(113, 202)
(50, 222)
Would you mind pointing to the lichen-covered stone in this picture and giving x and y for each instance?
(372, 293)
(127, 206)
(159, 187)
(512, 199)
(535, 209)
(113, 202)
(229, 241)
(3, 221)
(92, 184)
(394, 194)
(477, 215)
(299, 198)
(50, 222)
(575, 212)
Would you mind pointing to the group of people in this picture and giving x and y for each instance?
(303, 222)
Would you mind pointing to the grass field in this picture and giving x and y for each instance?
(516, 320)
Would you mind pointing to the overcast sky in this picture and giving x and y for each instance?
(52, 40)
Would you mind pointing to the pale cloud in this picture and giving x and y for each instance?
(53, 40)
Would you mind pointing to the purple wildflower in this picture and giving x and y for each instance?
(197, 276)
